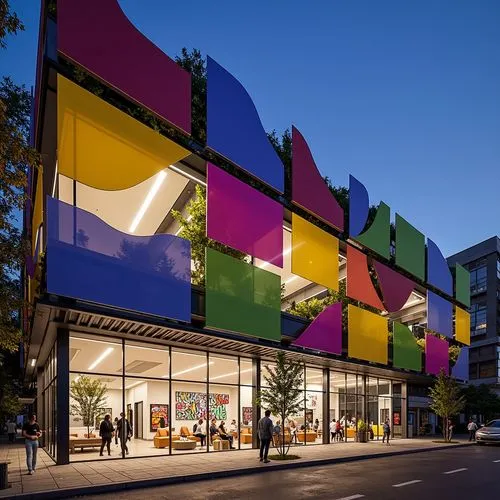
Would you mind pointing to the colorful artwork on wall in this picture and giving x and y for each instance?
(247, 414)
(158, 416)
(193, 405)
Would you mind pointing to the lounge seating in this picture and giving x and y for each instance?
(309, 437)
(246, 435)
(185, 432)
(162, 438)
(278, 437)
(82, 442)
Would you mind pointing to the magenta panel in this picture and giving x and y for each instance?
(97, 35)
(309, 190)
(325, 332)
(243, 218)
(436, 355)
(396, 288)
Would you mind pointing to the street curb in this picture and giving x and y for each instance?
(99, 489)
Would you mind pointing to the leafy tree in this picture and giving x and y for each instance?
(88, 399)
(481, 401)
(446, 401)
(10, 386)
(193, 228)
(284, 396)
(15, 156)
(10, 24)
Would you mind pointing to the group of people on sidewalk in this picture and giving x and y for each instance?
(121, 430)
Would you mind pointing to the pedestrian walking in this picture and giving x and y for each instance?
(106, 432)
(124, 432)
(265, 430)
(333, 430)
(31, 434)
(387, 431)
(12, 431)
(472, 428)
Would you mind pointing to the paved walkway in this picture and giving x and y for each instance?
(51, 481)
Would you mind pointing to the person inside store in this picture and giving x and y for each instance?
(316, 425)
(116, 434)
(11, 430)
(213, 430)
(333, 429)
(162, 422)
(31, 434)
(224, 435)
(198, 431)
(124, 431)
(106, 430)
(339, 431)
(293, 432)
(233, 429)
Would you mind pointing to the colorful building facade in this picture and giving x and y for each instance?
(165, 259)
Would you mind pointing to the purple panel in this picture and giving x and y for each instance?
(436, 355)
(439, 314)
(325, 332)
(358, 206)
(395, 287)
(461, 368)
(234, 128)
(243, 218)
(97, 35)
(309, 190)
(89, 260)
(438, 272)
(31, 260)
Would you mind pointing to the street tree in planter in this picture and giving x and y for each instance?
(88, 399)
(284, 396)
(446, 401)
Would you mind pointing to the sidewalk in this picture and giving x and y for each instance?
(51, 481)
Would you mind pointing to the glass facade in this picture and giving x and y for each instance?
(47, 408)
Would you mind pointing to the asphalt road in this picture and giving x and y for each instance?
(466, 473)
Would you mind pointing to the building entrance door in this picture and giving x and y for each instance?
(138, 434)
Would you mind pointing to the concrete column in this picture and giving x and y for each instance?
(62, 453)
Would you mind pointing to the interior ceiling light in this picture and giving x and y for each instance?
(134, 384)
(230, 374)
(33, 362)
(293, 278)
(160, 177)
(266, 264)
(189, 176)
(196, 367)
(103, 356)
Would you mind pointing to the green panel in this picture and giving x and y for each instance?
(378, 236)
(410, 248)
(462, 285)
(242, 298)
(406, 352)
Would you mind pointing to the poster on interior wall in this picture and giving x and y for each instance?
(193, 405)
(100, 416)
(158, 416)
(396, 418)
(247, 413)
(312, 400)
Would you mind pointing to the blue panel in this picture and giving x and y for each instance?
(234, 128)
(461, 368)
(439, 315)
(438, 272)
(358, 206)
(89, 260)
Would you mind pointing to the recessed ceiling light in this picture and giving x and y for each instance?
(104, 355)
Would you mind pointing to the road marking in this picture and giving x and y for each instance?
(456, 470)
(352, 497)
(496, 461)
(407, 483)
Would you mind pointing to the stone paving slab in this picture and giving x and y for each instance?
(52, 481)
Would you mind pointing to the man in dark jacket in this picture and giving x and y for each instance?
(265, 430)
(106, 432)
(124, 431)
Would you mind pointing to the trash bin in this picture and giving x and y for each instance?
(4, 474)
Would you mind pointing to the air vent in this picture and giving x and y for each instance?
(139, 366)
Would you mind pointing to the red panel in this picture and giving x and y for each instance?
(309, 190)
(359, 283)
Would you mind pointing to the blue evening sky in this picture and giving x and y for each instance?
(403, 95)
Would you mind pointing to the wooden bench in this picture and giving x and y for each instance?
(83, 443)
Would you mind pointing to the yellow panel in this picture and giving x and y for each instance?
(462, 326)
(37, 210)
(315, 253)
(367, 335)
(102, 147)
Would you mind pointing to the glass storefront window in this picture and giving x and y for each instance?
(264, 372)
(189, 365)
(314, 379)
(145, 360)
(246, 371)
(223, 369)
(92, 354)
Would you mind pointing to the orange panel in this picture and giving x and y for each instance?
(359, 283)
